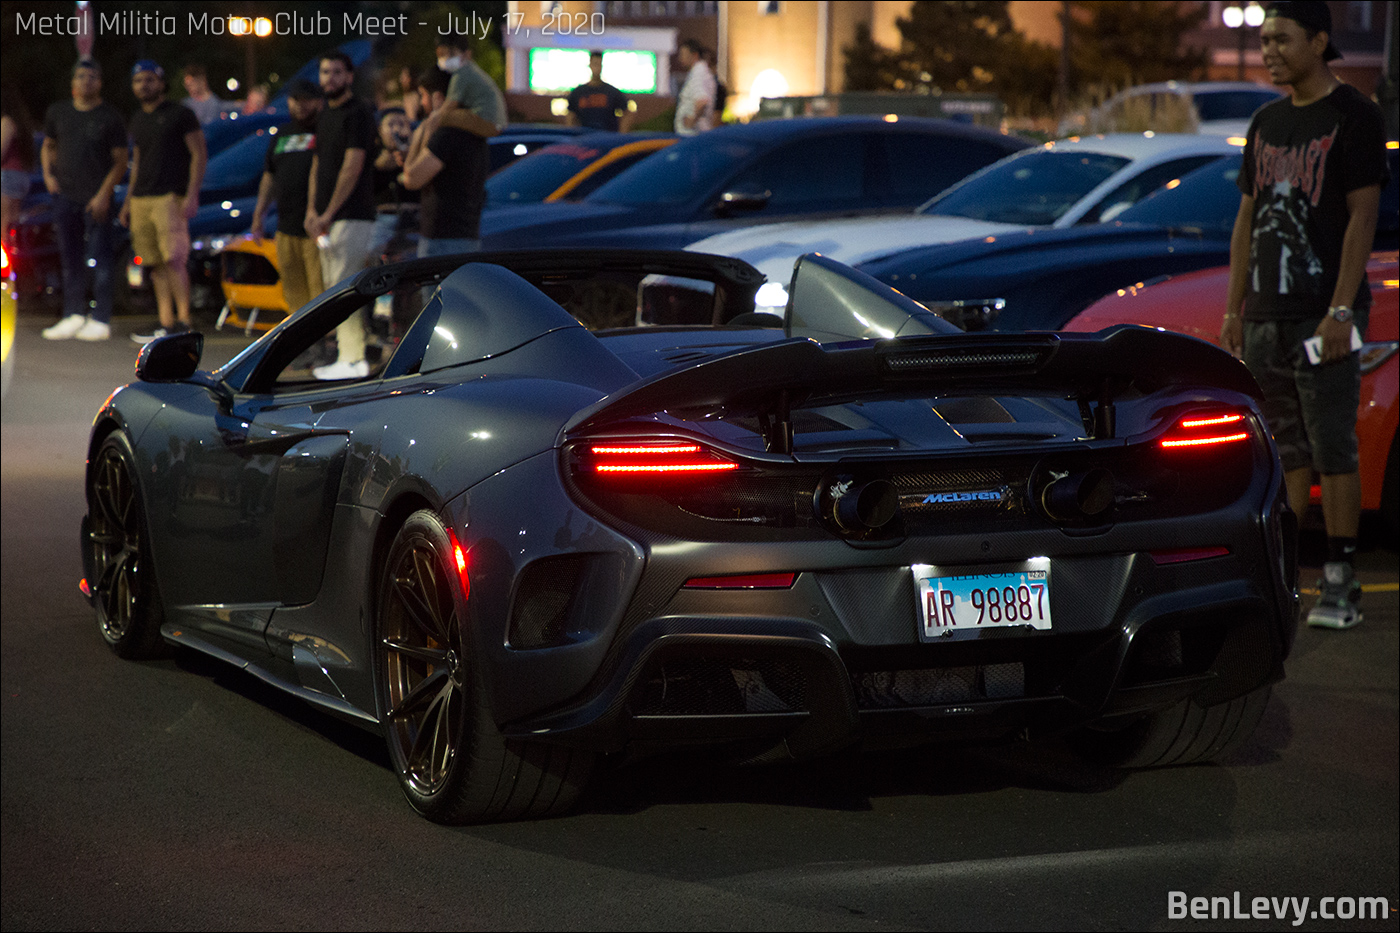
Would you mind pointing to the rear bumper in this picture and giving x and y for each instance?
(784, 687)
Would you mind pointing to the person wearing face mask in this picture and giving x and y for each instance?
(474, 102)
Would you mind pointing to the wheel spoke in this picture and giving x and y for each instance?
(433, 742)
(419, 612)
(433, 656)
(426, 691)
(427, 571)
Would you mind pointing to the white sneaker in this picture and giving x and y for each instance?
(66, 328)
(94, 330)
(342, 370)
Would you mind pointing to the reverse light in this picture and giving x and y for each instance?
(1185, 555)
(1206, 429)
(748, 581)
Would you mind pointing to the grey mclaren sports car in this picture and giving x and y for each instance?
(584, 506)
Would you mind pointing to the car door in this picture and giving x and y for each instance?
(241, 499)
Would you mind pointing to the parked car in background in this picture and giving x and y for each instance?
(1221, 108)
(1057, 185)
(745, 174)
(571, 168)
(1193, 304)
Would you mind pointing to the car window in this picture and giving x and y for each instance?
(1231, 105)
(913, 167)
(1205, 199)
(825, 173)
(529, 180)
(678, 174)
(604, 174)
(1141, 185)
(1034, 189)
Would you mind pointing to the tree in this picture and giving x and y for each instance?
(869, 65)
(1119, 43)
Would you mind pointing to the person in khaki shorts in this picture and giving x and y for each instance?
(167, 168)
(286, 180)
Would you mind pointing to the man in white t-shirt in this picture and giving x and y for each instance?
(695, 106)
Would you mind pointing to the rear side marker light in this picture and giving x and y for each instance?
(1206, 430)
(752, 581)
(1183, 555)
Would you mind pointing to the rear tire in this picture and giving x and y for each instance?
(453, 764)
(124, 592)
(1184, 734)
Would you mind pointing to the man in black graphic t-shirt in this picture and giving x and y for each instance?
(1314, 165)
(598, 105)
(286, 179)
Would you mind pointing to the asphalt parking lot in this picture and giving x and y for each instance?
(183, 794)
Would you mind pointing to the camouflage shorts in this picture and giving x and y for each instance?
(1311, 410)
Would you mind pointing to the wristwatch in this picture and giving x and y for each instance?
(1340, 313)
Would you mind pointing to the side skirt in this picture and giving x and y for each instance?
(177, 634)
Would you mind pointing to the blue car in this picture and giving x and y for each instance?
(756, 173)
(1039, 280)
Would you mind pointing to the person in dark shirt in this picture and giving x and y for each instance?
(167, 168)
(340, 216)
(1314, 166)
(286, 179)
(449, 165)
(83, 157)
(597, 104)
(396, 208)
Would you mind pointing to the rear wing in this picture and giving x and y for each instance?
(918, 352)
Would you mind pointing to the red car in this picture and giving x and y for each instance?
(1193, 304)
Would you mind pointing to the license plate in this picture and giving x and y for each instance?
(950, 598)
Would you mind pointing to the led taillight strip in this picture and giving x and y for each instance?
(649, 449)
(707, 467)
(1205, 441)
(1211, 422)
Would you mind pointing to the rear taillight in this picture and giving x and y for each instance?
(1204, 430)
(657, 459)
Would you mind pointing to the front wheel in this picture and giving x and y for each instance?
(1184, 734)
(123, 586)
(453, 764)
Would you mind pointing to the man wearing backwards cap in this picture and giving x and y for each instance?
(1314, 165)
(167, 167)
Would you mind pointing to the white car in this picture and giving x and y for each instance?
(1222, 108)
(1060, 184)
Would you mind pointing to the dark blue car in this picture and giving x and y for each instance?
(755, 173)
(1039, 280)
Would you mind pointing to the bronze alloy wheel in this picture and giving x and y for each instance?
(453, 764)
(423, 665)
(123, 584)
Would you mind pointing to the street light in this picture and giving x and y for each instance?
(1235, 17)
(248, 27)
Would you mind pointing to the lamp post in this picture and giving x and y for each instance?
(1242, 19)
(246, 26)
